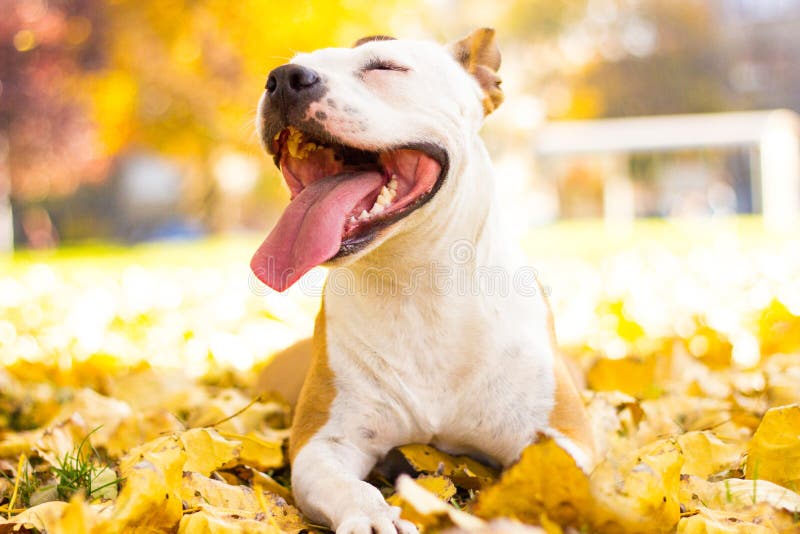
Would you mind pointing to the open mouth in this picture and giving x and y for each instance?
(341, 197)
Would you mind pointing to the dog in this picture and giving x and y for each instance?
(392, 188)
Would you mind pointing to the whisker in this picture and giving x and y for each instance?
(248, 124)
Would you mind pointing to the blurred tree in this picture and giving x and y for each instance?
(85, 81)
(46, 141)
(538, 20)
(184, 77)
(652, 58)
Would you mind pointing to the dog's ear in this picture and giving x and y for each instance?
(479, 55)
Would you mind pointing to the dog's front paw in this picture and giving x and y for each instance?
(386, 520)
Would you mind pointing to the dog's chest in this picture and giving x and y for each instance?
(461, 373)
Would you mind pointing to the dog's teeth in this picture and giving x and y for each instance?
(383, 201)
(387, 195)
(393, 183)
(353, 219)
(364, 215)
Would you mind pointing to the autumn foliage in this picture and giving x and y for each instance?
(698, 428)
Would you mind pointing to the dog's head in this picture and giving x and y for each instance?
(365, 137)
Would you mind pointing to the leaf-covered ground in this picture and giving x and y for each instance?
(127, 397)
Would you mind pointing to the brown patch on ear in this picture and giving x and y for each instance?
(373, 38)
(479, 55)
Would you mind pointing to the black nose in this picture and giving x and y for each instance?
(291, 79)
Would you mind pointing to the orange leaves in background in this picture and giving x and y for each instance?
(184, 77)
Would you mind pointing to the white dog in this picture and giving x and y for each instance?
(432, 329)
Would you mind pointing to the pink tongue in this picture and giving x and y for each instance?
(310, 230)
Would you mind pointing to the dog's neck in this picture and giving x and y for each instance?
(420, 287)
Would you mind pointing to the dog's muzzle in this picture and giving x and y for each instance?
(292, 87)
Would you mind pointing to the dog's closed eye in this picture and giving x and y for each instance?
(383, 64)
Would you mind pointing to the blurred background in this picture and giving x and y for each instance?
(648, 153)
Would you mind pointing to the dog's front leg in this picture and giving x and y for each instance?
(327, 481)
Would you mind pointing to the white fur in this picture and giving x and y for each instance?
(467, 370)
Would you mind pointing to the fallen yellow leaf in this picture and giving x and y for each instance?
(149, 500)
(266, 482)
(639, 493)
(100, 414)
(774, 451)
(462, 470)
(197, 490)
(705, 454)
(632, 375)
(214, 520)
(141, 428)
(759, 519)
(546, 480)
(257, 452)
(441, 487)
(434, 511)
(62, 438)
(42, 517)
(207, 451)
(736, 494)
(76, 518)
